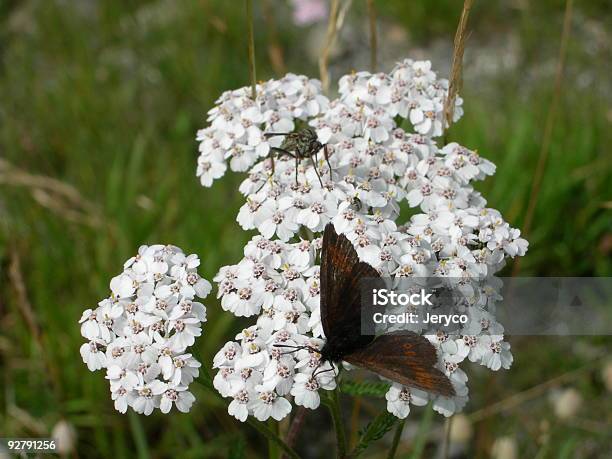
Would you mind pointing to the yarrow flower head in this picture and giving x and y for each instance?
(141, 332)
(379, 148)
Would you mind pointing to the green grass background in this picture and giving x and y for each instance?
(106, 96)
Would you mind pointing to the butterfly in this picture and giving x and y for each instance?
(406, 357)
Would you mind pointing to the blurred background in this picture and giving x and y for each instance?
(99, 105)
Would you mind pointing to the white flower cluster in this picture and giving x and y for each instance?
(280, 282)
(369, 107)
(375, 165)
(238, 124)
(141, 333)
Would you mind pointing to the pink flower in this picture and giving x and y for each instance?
(307, 12)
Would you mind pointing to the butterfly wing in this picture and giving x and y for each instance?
(406, 358)
(341, 275)
(338, 258)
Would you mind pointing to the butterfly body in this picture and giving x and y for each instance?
(337, 348)
(406, 358)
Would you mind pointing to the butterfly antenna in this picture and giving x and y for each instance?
(325, 371)
(314, 373)
(295, 348)
(287, 345)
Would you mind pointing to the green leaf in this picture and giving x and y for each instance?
(374, 431)
(365, 388)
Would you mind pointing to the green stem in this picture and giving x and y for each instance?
(396, 439)
(421, 439)
(272, 447)
(336, 414)
(139, 435)
(251, 47)
(271, 436)
(446, 444)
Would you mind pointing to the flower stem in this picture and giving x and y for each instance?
(272, 447)
(396, 439)
(296, 425)
(354, 425)
(457, 65)
(373, 44)
(251, 47)
(336, 414)
(446, 444)
(140, 438)
(270, 435)
(421, 438)
(332, 30)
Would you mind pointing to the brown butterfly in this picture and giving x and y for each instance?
(406, 358)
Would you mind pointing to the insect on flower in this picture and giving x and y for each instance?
(302, 144)
(405, 358)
